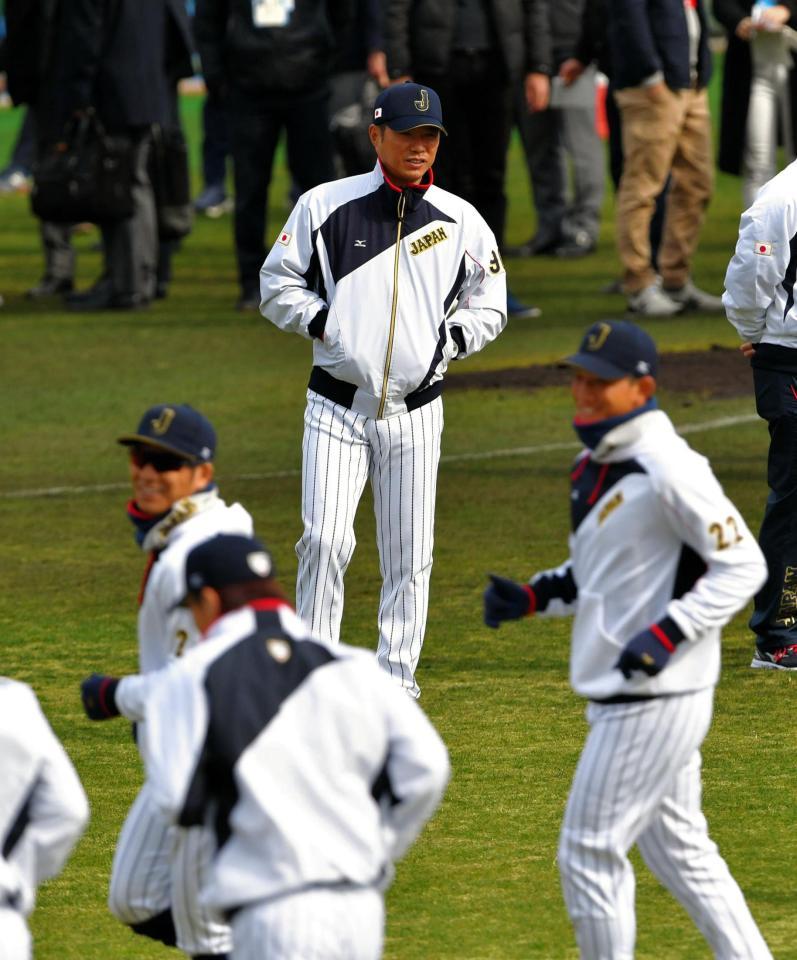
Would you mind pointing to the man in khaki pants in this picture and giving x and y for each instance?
(662, 66)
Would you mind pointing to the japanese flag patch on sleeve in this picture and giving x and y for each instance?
(763, 248)
(284, 238)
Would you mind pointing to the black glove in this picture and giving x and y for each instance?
(98, 693)
(650, 650)
(506, 600)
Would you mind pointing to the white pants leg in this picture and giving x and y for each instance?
(15, 940)
(641, 763)
(406, 455)
(314, 925)
(335, 454)
(157, 867)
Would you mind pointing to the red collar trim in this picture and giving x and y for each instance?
(423, 186)
(135, 511)
(266, 603)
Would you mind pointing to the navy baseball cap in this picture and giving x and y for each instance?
(613, 349)
(175, 428)
(406, 106)
(226, 559)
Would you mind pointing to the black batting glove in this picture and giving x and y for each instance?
(650, 650)
(506, 600)
(98, 693)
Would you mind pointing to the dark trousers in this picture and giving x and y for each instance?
(255, 126)
(471, 161)
(774, 619)
(215, 141)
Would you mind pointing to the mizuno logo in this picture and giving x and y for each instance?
(359, 243)
(428, 240)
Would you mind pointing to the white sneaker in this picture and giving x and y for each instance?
(693, 298)
(652, 301)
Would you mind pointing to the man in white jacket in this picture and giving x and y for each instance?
(392, 278)
(43, 811)
(175, 506)
(660, 560)
(313, 769)
(759, 302)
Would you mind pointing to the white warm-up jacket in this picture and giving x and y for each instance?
(392, 284)
(653, 537)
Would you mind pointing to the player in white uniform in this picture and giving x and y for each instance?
(43, 811)
(660, 560)
(314, 769)
(392, 278)
(176, 505)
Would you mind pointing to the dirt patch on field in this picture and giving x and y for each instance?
(716, 372)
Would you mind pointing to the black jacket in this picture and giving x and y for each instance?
(736, 80)
(237, 55)
(120, 57)
(419, 36)
(650, 35)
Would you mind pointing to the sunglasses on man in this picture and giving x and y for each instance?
(159, 460)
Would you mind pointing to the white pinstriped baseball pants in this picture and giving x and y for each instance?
(15, 939)
(158, 867)
(400, 456)
(638, 782)
(321, 924)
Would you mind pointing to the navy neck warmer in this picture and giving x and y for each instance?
(591, 434)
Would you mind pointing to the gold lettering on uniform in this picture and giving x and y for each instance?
(597, 339)
(427, 241)
(182, 638)
(423, 103)
(609, 507)
(162, 423)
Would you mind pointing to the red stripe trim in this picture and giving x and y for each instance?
(580, 467)
(269, 603)
(101, 696)
(793, 391)
(532, 599)
(411, 186)
(597, 488)
(135, 511)
(662, 637)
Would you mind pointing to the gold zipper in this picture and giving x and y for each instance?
(389, 355)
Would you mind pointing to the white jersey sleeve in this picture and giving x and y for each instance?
(703, 517)
(43, 806)
(286, 299)
(481, 308)
(417, 768)
(174, 735)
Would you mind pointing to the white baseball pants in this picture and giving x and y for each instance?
(320, 924)
(400, 455)
(15, 939)
(638, 782)
(157, 867)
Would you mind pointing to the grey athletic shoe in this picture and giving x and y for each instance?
(782, 658)
(693, 298)
(653, 302)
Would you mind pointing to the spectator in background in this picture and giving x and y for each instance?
(359, 75)
(213, 201)
(271, 67)
(759, 91)
(474, 52)
(112, 57)
(564, 133)
(661, 67)
(29, 67)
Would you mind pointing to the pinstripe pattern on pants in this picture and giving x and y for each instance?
(638, 781)
(320, 924)
(400, 456)
(158, 867)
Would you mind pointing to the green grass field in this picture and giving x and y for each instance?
(482, 882)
